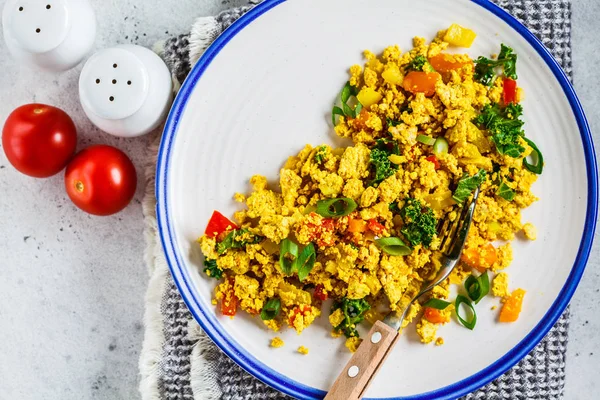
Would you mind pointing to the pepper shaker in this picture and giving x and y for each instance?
(126, 90)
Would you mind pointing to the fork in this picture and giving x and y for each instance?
(358, 373)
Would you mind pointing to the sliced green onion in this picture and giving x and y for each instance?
(478, 288)
(336, 111)
(346, 110)
(335, 207)
(271, 309)
(460, 299)
(427, 140)
(288, 254)
(393, 246)
(346, 92)
(306, 261)
(309, 209)
(440, 146)
(358, 109)
(536, 156)
(437, 304)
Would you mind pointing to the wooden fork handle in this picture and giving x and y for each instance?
(354, 380)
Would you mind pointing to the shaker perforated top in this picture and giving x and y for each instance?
(53, 34)
(38, 27)
(114, 84)
(125, 90)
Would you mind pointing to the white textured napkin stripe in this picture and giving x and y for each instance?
(158, 271)
(178, 359)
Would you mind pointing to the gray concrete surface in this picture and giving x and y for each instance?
(583, 357)
(72, 286)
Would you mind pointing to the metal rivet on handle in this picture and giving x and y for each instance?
(376, 338)
(353, 371)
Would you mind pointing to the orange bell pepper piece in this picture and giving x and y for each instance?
(512, 307)
(446, 63)
(480, 258)
(421, 82)
(356, 225)
(434, 316)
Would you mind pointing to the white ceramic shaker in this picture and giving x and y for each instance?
(54, 35)
(126, 90)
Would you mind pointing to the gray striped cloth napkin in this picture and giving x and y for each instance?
(179, 361)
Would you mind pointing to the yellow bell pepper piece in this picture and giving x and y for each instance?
(392, 75)
(368, 96)
(459, 36)
(396, 159)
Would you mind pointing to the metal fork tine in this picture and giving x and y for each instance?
(452, 228)
(465, 223)
(444, 232)
(449, 234)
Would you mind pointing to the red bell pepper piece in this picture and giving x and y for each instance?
(375, 227)
(297, 310)
(435, 161)
(510, 91)
(218, 224)
(319, 293)
(229, 304)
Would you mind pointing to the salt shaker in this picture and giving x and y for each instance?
(54, 35)
(126, 90)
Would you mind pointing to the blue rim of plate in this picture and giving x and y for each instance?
(208, 320)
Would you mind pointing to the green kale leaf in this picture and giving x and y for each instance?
(419, 223)
(467, 185)
(354, 313)
(211, 269)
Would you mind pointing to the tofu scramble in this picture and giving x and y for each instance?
(359, 225)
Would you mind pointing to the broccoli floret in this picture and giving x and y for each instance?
(354, 312)
(419, 223)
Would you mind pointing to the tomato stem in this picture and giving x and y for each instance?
(79, 186)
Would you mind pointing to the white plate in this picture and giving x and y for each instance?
(265, 88)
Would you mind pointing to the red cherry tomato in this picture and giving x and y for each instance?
(218, 224)
(39, 140)
(101, 180)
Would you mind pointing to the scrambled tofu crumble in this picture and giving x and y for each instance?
(359, 224)
(303, 350)
(500, 285)
(276, 342)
